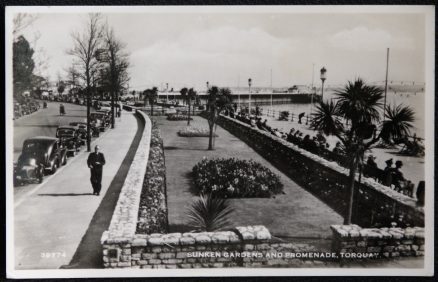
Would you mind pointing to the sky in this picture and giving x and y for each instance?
(188, 49)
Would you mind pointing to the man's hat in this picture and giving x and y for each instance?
(389, 162)
(399, 163)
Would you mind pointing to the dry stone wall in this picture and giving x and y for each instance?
(385, 242)
(249, 246)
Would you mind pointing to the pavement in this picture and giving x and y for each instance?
(52, 219)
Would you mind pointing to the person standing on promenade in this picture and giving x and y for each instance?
(96, 161)
(387, 173)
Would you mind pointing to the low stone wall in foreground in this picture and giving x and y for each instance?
(249, 246)
(385, 242)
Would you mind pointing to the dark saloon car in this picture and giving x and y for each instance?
(70, 138)
(39, 154)
(81, 128)
(99, 120)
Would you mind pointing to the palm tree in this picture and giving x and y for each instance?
(218, 100)
(183, 92)
(151, 95)
(355, 120)
(191, 95)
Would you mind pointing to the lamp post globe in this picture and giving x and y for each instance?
(323, 77)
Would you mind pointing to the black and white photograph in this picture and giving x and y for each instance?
(157, 141)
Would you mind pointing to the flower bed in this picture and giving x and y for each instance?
(190, 131)
(177, 117)
(152, 215)
(234, 178)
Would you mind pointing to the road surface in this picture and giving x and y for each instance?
(44, 122)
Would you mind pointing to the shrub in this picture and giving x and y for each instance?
(191, 131)
(178, 117)
(234, 178)
(209, 214)
(152, 214)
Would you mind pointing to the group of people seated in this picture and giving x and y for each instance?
(316, 144)
(390, 176)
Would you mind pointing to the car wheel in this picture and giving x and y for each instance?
(54, 168)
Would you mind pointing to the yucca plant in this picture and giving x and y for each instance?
(209, 213)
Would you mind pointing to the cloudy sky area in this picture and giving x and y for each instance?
(227, 49)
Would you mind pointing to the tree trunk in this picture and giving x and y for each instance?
(152, 108)
(188, 118)
(210, 137)
(88, 110)
(350, 195)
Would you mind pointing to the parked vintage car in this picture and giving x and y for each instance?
(100, 120)
(107, 115)
(39, 155)
(69, 137)
(105, 106)
(81, 128)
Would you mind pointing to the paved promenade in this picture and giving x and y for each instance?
(51, 221)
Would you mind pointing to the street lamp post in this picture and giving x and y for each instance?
(249, 101)
(323, 78)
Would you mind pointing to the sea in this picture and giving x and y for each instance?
(413, 167)
(415, 100)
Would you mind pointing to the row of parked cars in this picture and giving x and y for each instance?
(43, 155)
(25, 108)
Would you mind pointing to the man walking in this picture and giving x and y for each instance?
(96, 161)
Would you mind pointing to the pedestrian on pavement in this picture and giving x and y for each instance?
(96, 161)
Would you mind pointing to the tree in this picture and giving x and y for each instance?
(151, 95)
(218, 100)
(183, 93)
(84, 50)
(118, 64)
(23, 66)
(354, 119)
(61, 88)
(191, 95)
(21, 21)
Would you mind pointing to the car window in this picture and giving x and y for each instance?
(66, 132)
(31, 147)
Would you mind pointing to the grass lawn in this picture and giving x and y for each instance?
(296, 214)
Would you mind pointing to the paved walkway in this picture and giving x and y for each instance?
(297, 214)
(50, 223)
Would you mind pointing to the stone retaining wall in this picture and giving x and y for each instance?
(249, 246)
(124, 221)
(374, 204)
(386, 242)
